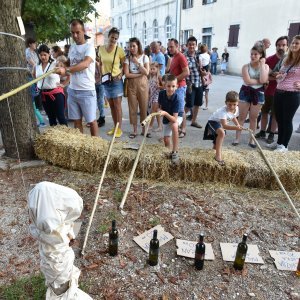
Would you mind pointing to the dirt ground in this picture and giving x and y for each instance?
(222, 212)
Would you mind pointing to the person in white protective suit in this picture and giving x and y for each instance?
(52, 210)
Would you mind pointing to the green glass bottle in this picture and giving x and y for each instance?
(113, 240)
(200, 253)
(154, 250)
(241, 253)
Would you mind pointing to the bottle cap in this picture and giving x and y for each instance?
(245, 235)
(113, 223)
(201, 236)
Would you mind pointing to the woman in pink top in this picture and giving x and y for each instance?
(287, 96)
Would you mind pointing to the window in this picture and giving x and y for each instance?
(145, 34)
(204, 2)
(293, 30)
(135, 30)
(120, 23)
(206, 36)
(233, 35)
(187, 34)
(155, 29)
(168, 28)
(128, 20)
(187, 4)
(112, 3)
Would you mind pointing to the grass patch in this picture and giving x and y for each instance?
(32, 288)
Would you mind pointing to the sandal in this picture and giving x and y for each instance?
(148, 135)
(182, 134)
(220, 162)
(197, 125)
(132, 135)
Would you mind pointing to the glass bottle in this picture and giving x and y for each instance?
(200, 253)
(298, 269)
(154, 250)
(113, 240)
(240, 255)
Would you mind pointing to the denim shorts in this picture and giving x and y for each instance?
(195, 97)
(167, 129)
(181, 96)
(82, 103)
(247, 99)
(113, 89)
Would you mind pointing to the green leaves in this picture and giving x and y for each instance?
(51, 18)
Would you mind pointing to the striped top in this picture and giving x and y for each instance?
(287, 83)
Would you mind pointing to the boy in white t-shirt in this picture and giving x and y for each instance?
(217, 124)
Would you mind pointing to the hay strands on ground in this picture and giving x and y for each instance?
(99, 189)
(275, 174)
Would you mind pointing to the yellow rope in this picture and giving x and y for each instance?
(24, 86)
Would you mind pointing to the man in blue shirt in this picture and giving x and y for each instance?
(158, 57)
(214, 60)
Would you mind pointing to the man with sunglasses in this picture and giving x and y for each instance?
(82, 101)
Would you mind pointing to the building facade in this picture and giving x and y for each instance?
(238, 24)
(147, 20)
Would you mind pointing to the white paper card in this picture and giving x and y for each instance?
(229, 251)
(144, 239)
(284, 260)
(187, 249)
(21, 25)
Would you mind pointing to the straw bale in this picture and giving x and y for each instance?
(68, 148)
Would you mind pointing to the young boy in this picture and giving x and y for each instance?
(172, 117)
(217, 124)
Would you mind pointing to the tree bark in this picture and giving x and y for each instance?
(22, 117)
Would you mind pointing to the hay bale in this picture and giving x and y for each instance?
(68, 148)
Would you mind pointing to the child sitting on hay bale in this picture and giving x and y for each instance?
(217, 124)
(172, 116)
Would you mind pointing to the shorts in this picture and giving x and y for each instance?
(210, 131)
(223, 66)
(181, 91)
(167, 129)
(82, 103)
(194, 98)
(113, 89)
(247, 99)
(268, 106)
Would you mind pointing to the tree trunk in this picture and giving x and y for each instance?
(22, 118)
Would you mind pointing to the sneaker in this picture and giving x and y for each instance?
(273, 145)
(281, 149)
(270, 138)
(101, 121)
(175, 158)
(111, 132)
(261, 135)
(41, 125)
(189, 117)
(119, 132)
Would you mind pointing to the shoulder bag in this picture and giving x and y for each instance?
(107, 78)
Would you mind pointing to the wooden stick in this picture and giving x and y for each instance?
(274, 173)
(26, 85)
(135, 163)
(148, 118)
(99, 189)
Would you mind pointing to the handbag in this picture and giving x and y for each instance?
(107, 77)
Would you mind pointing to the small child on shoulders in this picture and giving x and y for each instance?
(217, 124)
(207, 80)
(172, 118)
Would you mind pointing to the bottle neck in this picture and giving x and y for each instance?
(245, 238)
(113, 224)
(201, 238)
(155, 234)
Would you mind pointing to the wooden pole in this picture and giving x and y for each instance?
(148, 118)
(136, 162)
(99, 189)
(274, 173)
(26, 85)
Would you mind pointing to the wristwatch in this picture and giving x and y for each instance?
(68, 72)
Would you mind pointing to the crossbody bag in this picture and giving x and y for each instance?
(107, 77)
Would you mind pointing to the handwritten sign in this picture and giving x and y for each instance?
(143, 240)
(187, 249)
(284, 260)
(229, 251)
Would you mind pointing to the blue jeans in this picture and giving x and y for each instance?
(214, 68)
(181, 96)
(100, 98)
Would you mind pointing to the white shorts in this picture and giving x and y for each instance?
(82, 103)
(167, 129)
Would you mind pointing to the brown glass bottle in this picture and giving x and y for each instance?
(241, 253)
(154, 250)
(200, 253)
(113, 240)
(298, 268)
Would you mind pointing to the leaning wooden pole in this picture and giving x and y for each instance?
(26, 85)
(99, 189)
(147, 124)
(274, 173)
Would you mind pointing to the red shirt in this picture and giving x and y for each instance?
(271, 61)
(178, 62)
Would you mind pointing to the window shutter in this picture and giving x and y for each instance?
(233, 35)
(293, 30)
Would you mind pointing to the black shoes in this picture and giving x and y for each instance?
(101, 121)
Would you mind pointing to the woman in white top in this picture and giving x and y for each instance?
(252, 97)
(136, 69)
(204, 57)
(52, 93)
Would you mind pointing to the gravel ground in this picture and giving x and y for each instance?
(222, 212)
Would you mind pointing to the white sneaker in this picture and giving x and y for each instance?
(281, 149)
(273, 145)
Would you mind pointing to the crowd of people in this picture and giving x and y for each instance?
(170, 81)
